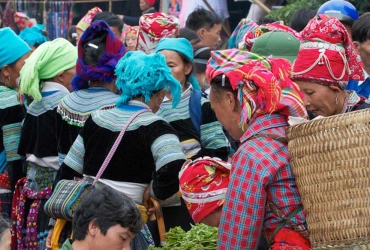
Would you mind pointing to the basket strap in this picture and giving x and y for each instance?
(286, 220)
(115, 145)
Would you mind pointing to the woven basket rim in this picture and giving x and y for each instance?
(327, 123)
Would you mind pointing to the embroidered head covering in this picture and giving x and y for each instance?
(23, 21)
(104, 70)
(130, 30)
(33, 36)
(139, 74)
(263, 84)
(154, 27)
(86, 20)
(183, 46)
(203, 185)
(247, 31)
(49, 59)
(327, 54)
(11, 47)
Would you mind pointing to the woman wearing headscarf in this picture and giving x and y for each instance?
(252, 97)
(326, 61)
(154, 27)
(149, 150)
(129, 36)
(46, 77)
(98, 54)
(204, 137)
(13, 52)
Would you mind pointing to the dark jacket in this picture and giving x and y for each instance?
(134, 21)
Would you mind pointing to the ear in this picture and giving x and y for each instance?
(5, 71)
(231, 102)
(201, 33)
(60, 77)
(188, 68)
(335, 88)
(357, 46)
(93, 228)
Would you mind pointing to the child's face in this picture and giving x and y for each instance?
(131, 41)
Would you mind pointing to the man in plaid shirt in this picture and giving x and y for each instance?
(258, 92)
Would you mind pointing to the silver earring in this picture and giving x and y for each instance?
(156, 101)
(336, 100)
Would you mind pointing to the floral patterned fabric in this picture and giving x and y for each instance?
(84, 23)
(203, 184)
(154, 27)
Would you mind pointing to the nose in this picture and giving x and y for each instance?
(127, 246)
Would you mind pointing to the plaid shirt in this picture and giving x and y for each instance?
(260, 171)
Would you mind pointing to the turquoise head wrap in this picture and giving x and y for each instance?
(11, 47)
(33, 35)
(183, 46)
(139, 74)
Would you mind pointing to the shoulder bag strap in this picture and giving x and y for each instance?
(115, 145)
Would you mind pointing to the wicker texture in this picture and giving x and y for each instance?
(330, 158)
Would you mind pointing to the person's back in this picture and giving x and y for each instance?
(207, 25)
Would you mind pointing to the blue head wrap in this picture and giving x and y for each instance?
(33, 35)
(11, 47)
(183, 46)
(139, 74)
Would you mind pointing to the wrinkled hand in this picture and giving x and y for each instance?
(48, 239)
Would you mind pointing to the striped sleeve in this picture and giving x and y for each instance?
(11, 137)
(75, 156)
(165, 149)
(168, 158)
(212, 136)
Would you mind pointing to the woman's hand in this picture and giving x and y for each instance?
(48, 239)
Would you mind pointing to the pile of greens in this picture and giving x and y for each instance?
(199, 237)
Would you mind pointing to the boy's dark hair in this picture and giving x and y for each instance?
(107, 208)
(361, 28)
(202, 18)
(301, 18)
(110, 18)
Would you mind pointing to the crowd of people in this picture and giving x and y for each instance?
(204, 123)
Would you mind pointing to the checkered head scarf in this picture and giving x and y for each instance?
(263, 84)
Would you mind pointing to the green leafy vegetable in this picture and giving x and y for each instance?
(199, 237)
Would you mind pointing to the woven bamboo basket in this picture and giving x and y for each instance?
(330, 158)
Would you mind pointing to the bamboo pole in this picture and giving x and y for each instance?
(262, 6)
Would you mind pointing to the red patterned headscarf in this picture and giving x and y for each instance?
(154, 27)
(203, 185)
(263, 84)
(23, 21)
(327, 54)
